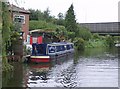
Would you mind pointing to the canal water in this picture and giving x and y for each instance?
(96, 67)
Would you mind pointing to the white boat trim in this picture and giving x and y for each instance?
(40, 56)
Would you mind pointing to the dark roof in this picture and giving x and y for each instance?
(18, 9)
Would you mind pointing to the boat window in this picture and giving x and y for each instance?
(72, 46)
(34, 49)
(63, 47)
(68, 47)
(57, 48)
(51, 49)
(40, 49)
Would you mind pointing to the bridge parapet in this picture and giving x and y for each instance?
(108, 27)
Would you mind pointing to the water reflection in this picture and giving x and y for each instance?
(50, 74)
(91, 68)
(13, 79)
(0, 72)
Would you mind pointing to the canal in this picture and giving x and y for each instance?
(96, 67)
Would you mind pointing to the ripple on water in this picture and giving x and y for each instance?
(91, 71)
(100, 73)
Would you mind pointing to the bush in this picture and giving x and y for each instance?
(84, 33)
(79, 43)
(41, 25)
(95, 43)
(71, 35)
(96, 36)
(109, 41)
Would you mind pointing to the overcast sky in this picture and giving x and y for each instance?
(86, 11)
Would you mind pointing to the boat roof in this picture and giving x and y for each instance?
(57, 43)
(60, 43)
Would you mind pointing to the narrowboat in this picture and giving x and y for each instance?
(45, 52)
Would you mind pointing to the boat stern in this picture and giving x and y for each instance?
(39, 59)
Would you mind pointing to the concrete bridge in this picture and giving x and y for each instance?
(112, 28)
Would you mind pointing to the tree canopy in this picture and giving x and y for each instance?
(70, 21)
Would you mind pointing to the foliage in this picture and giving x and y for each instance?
(70, 22)
(43, 16)
(79, 43)
(95, 43)
(60, 20)
(66, 28)
(46, 15)
(44, 25)
(6, 32)
(35, 15)
(96, 36)
(0, 27)
(84, 33)
(71, 35)
(116, 39)
(110, 41)
(41, 25)
(0, 14)
(61, 33)
(6, 23)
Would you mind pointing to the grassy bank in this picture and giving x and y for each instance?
(43, 25)
(95, 43)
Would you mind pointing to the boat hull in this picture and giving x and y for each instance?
(39, 59)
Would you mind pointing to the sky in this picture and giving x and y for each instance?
(86, 11)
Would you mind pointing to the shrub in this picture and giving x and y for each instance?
(109, 40)
(96, 36)
(84, 33)
(71, 35)
(41, 25)
(79, 43)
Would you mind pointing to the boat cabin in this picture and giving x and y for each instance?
(51, 49)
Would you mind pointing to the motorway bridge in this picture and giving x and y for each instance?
(112, 28)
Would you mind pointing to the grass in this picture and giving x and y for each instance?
(42, 25)
(95, 43)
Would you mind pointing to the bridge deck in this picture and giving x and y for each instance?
(112, 28)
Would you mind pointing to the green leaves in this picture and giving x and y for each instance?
(6, 22)
(43, 16)
(110, 41)
(79, 43)
(70, 22)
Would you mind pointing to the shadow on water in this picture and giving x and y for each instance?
(14, 78)
(86, 68)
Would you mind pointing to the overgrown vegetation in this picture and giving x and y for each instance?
(10, 36)
(70, 21)
(6, 32)
(110, 40)
(42, 25)
(66, 28)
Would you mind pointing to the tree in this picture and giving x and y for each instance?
(84, 33)
(60, 16)
(47, 14)
(60, 20)
(33, 15)
(6, 32)
(70, 21)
